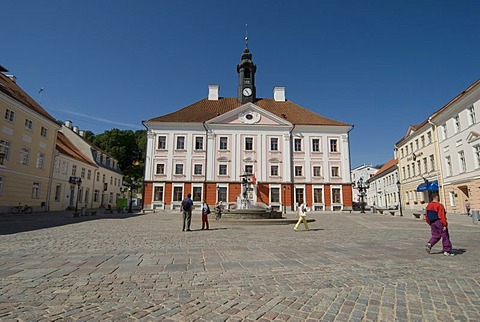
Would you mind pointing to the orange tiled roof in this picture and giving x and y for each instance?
(11, 89)
(205, 110)
(390, 164)
(65, 146)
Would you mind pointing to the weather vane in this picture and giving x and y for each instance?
(246, 36)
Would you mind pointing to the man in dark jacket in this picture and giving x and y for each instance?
(436, 217)
(187, 206)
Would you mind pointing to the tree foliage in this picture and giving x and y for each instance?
(127, 146)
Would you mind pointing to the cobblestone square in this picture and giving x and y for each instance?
(348, 267)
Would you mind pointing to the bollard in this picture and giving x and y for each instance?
(475, 216)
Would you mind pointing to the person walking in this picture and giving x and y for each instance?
(302, 216)
(436, 217)
(218, 210)
(187, 207)
(205, 212)
(467, 207)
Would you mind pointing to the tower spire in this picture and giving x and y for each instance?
(246, 35)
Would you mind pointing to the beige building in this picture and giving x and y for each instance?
(106, 180)
(27, 146)
(73, 177)
(418, 165)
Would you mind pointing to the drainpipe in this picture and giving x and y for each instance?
(292, 169)
(206, 163)
(143, 181)
(437, 152)
(349, 165)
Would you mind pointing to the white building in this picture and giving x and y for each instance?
(458, 131)
(364, 172)
(208, 148)
(107, 178)
(383, 191)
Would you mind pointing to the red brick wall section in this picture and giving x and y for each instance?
(262, 193)
(309, 197)
(347, 195)
(234, 190)
(168, 193)
(328, 195)
(148, 195)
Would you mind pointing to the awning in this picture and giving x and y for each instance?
(429, 185)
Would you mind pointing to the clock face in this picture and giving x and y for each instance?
(247, 91)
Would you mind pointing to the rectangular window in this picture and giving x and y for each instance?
(222, 194)
(443, 131)
(422, 141)
(28, 124)
(318, 195)
(98, 176)
(299, 195)
(471, 115)
(408, 171)
(197, 194)
(162, 143)
(429, 137)
(40, 160)
(56, 166)
(223, 143)
(198, 143)
(274, 194)
(317, 171)
(24, 155)
(197, 169)
(416, 145)
(462, 162)
(248, 144)
(36, 190)
(336, 195)
(432, 162)
(274, 171)
(448, 164)
(1, 186)
(4, 150)
(335, 172)
(222, 170)
(89, 174)
(456, 124)
(103, 178)
(177, 193)
(451, 197)
(298, 171)
(74, 170)
(82, 174)
(414, 170)
(87, 195)
(274, 144)
(297, 145)
(160, 168)
(10, 115)
(477, 155)
(180, 143)
(315, 145)
(333, 145)
(249, 169)
(44, 132)
(58, 192)
(179, 169)
(158, 194)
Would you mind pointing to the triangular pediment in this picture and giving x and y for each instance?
(473, 136)
(249, 114)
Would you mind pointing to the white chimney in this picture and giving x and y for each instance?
(279, 93)
(213, 91)
(75, 129)
(81, 133)
(68, 124)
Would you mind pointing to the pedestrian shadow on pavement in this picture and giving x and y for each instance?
(456, 251)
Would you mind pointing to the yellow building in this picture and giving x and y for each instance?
(27, 146)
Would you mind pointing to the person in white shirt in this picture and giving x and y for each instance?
(302, 216)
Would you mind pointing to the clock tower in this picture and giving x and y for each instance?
(246, 77)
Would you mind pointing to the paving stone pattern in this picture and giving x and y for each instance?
(348, 267)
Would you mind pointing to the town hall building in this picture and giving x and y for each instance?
(270, 150)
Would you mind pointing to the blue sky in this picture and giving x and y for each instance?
(379, 65)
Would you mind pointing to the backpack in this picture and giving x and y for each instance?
(185, 205)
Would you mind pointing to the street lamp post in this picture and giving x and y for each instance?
(284, 205)
(362, 188)
(79, 183)
(132, 186)
(399, 198)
